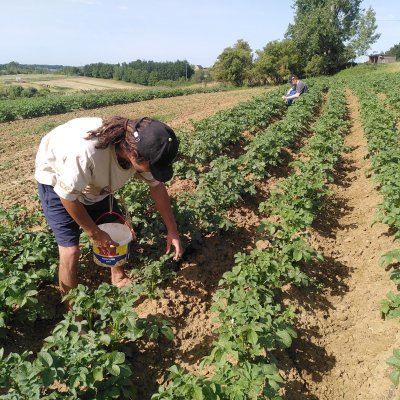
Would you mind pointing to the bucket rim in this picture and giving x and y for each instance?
(120, 242)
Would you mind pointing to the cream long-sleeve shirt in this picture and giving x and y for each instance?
(71, 164)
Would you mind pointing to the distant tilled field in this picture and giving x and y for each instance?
(69, 84)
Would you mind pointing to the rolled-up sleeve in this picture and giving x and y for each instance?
(148, 178)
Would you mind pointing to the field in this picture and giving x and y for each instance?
(57, 83)
(304, 194)
(22, 137)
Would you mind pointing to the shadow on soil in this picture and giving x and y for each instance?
(192, 287)
(306, 358)
(25, 335)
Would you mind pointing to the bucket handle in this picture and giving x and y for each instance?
(120, 217)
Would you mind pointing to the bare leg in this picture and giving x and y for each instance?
(118, 277)
(68, 268)
(68, 271)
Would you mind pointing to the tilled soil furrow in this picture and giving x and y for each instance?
(343, 342)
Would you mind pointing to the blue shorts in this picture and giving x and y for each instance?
(291, 93)
(64, 227)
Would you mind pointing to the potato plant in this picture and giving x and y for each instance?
(23, 108)
(28, 258)
(86, 357)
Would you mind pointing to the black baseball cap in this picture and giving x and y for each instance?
(157, 143)
(291, 77)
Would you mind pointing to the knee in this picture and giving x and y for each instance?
(69, 257)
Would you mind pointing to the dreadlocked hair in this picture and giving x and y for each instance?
(114, 131)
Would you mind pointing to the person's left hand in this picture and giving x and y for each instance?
(174, 240)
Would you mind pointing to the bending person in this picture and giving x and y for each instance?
(81, 163)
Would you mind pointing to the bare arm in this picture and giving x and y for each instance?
(78, 212)
(293, 96)
(163, 203)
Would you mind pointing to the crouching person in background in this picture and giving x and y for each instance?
(298, 87)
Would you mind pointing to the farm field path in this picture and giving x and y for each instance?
(343, 342)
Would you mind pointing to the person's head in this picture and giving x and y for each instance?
(293, 79)
(148, 144)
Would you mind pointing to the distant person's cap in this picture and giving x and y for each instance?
(291, 77)
(158, 144)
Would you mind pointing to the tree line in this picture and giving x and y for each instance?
(394, 51)
(324, 37)
(139, 71)
(14, 67)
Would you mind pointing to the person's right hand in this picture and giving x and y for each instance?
(104, 243)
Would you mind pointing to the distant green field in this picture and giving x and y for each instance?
(362, 69)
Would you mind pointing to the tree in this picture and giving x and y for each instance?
(329, 33)
(394, 51)
(13, 68)
(153, 78)
(365, 35)
(276, 62)
(105, 71)
(234, 63)
(315, 66)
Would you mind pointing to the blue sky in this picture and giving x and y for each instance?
(78, 32)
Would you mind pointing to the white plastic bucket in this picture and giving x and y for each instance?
(119, 233)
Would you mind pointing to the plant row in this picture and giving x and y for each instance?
(85, 357)
(55, 372)
(28, 260)
(213, 136)
(11, 110)
(251, 320)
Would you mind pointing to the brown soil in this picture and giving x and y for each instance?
(69, 83)
(342, 341)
